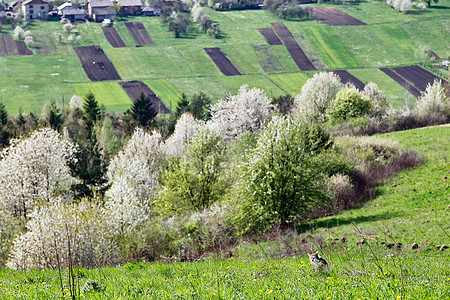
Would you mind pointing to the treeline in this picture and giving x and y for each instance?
(200, 180)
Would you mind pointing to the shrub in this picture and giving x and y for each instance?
(377, 98)
(57, 228)
(349, 103)
(281, 183)
(18, 32)
(433, 102)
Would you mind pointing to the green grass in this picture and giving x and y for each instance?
(379, 45)
(108, 93)
(168, 93)
(291, 83)
(330, 47)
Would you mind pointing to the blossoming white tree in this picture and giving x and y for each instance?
(132, 175)
(433, 100)
(316, 97)
(35, 169)
(186, 127)
(56, 228)
(245, 111)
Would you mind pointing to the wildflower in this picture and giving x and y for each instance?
(270, 292)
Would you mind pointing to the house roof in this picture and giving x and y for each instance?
(30, 2)
(130, 2)
(73, 11)
(100, 3)
(104, 11)
(64, 5)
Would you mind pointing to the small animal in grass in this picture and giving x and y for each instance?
(318, 261)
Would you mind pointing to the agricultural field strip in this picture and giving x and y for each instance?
(113, 37)
(334, 17)
(7, 45)
(222, 62)
(96, 64)
(134, 90)
(22, 48)
(270, 36)
(419, 77)
(400, 80)
(346, 77)
(139, 33)
(293, 48)
(267, 59)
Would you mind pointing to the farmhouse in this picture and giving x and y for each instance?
(130, 7)
(151, 11)
(70, 12)
(35, 9)
(101, 9)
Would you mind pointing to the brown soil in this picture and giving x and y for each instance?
(139, 34)
(293, 48)
(113, 37)
(409, 87)
(419, 77)
(270, 36)
(334, 17)
(96, 64)
(22, 48)
(346, 77)
(7, 45)
(134, 90)
(222, 62)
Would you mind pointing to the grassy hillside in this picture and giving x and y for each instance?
(412, 207)
(390, 39)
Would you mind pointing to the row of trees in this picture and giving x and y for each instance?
(287, 9)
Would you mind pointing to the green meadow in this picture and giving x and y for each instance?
(390, 39)
(411, 207)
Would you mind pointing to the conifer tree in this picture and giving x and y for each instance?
(142, 111)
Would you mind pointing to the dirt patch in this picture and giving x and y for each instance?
(134, 90)
(419, 77)
(293, 48)
(7, 45)
(334, 17)
(139, 34)
(346, 77)
(113, 37)
(433, 55)
(400, 80)
(270, 36)
(267, 59)
(22, 48)
(222, 62)
(96, 64)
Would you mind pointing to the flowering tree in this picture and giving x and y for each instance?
(132, 175)
(376, 96)
(56, 228)
(76, 102)
(35, 169)
(236, 114)
(281, 181)
(433, 101)
(186, 127)
(316, 97)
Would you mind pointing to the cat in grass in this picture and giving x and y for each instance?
(318, 261)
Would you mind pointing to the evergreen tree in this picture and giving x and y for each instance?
(142, 111)
(182, 107)
(90, 167)
(54, 117)
(5, 135)
(199, 106)
(3, 114)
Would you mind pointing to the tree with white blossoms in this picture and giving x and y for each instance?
(197, 12)
(57, 227)
(76, 102)
(248, 110)
(18, 32)
(376, 96)
(34, 170)
(316, 97)
(433, 101)
(185, 128)
(132, 175)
